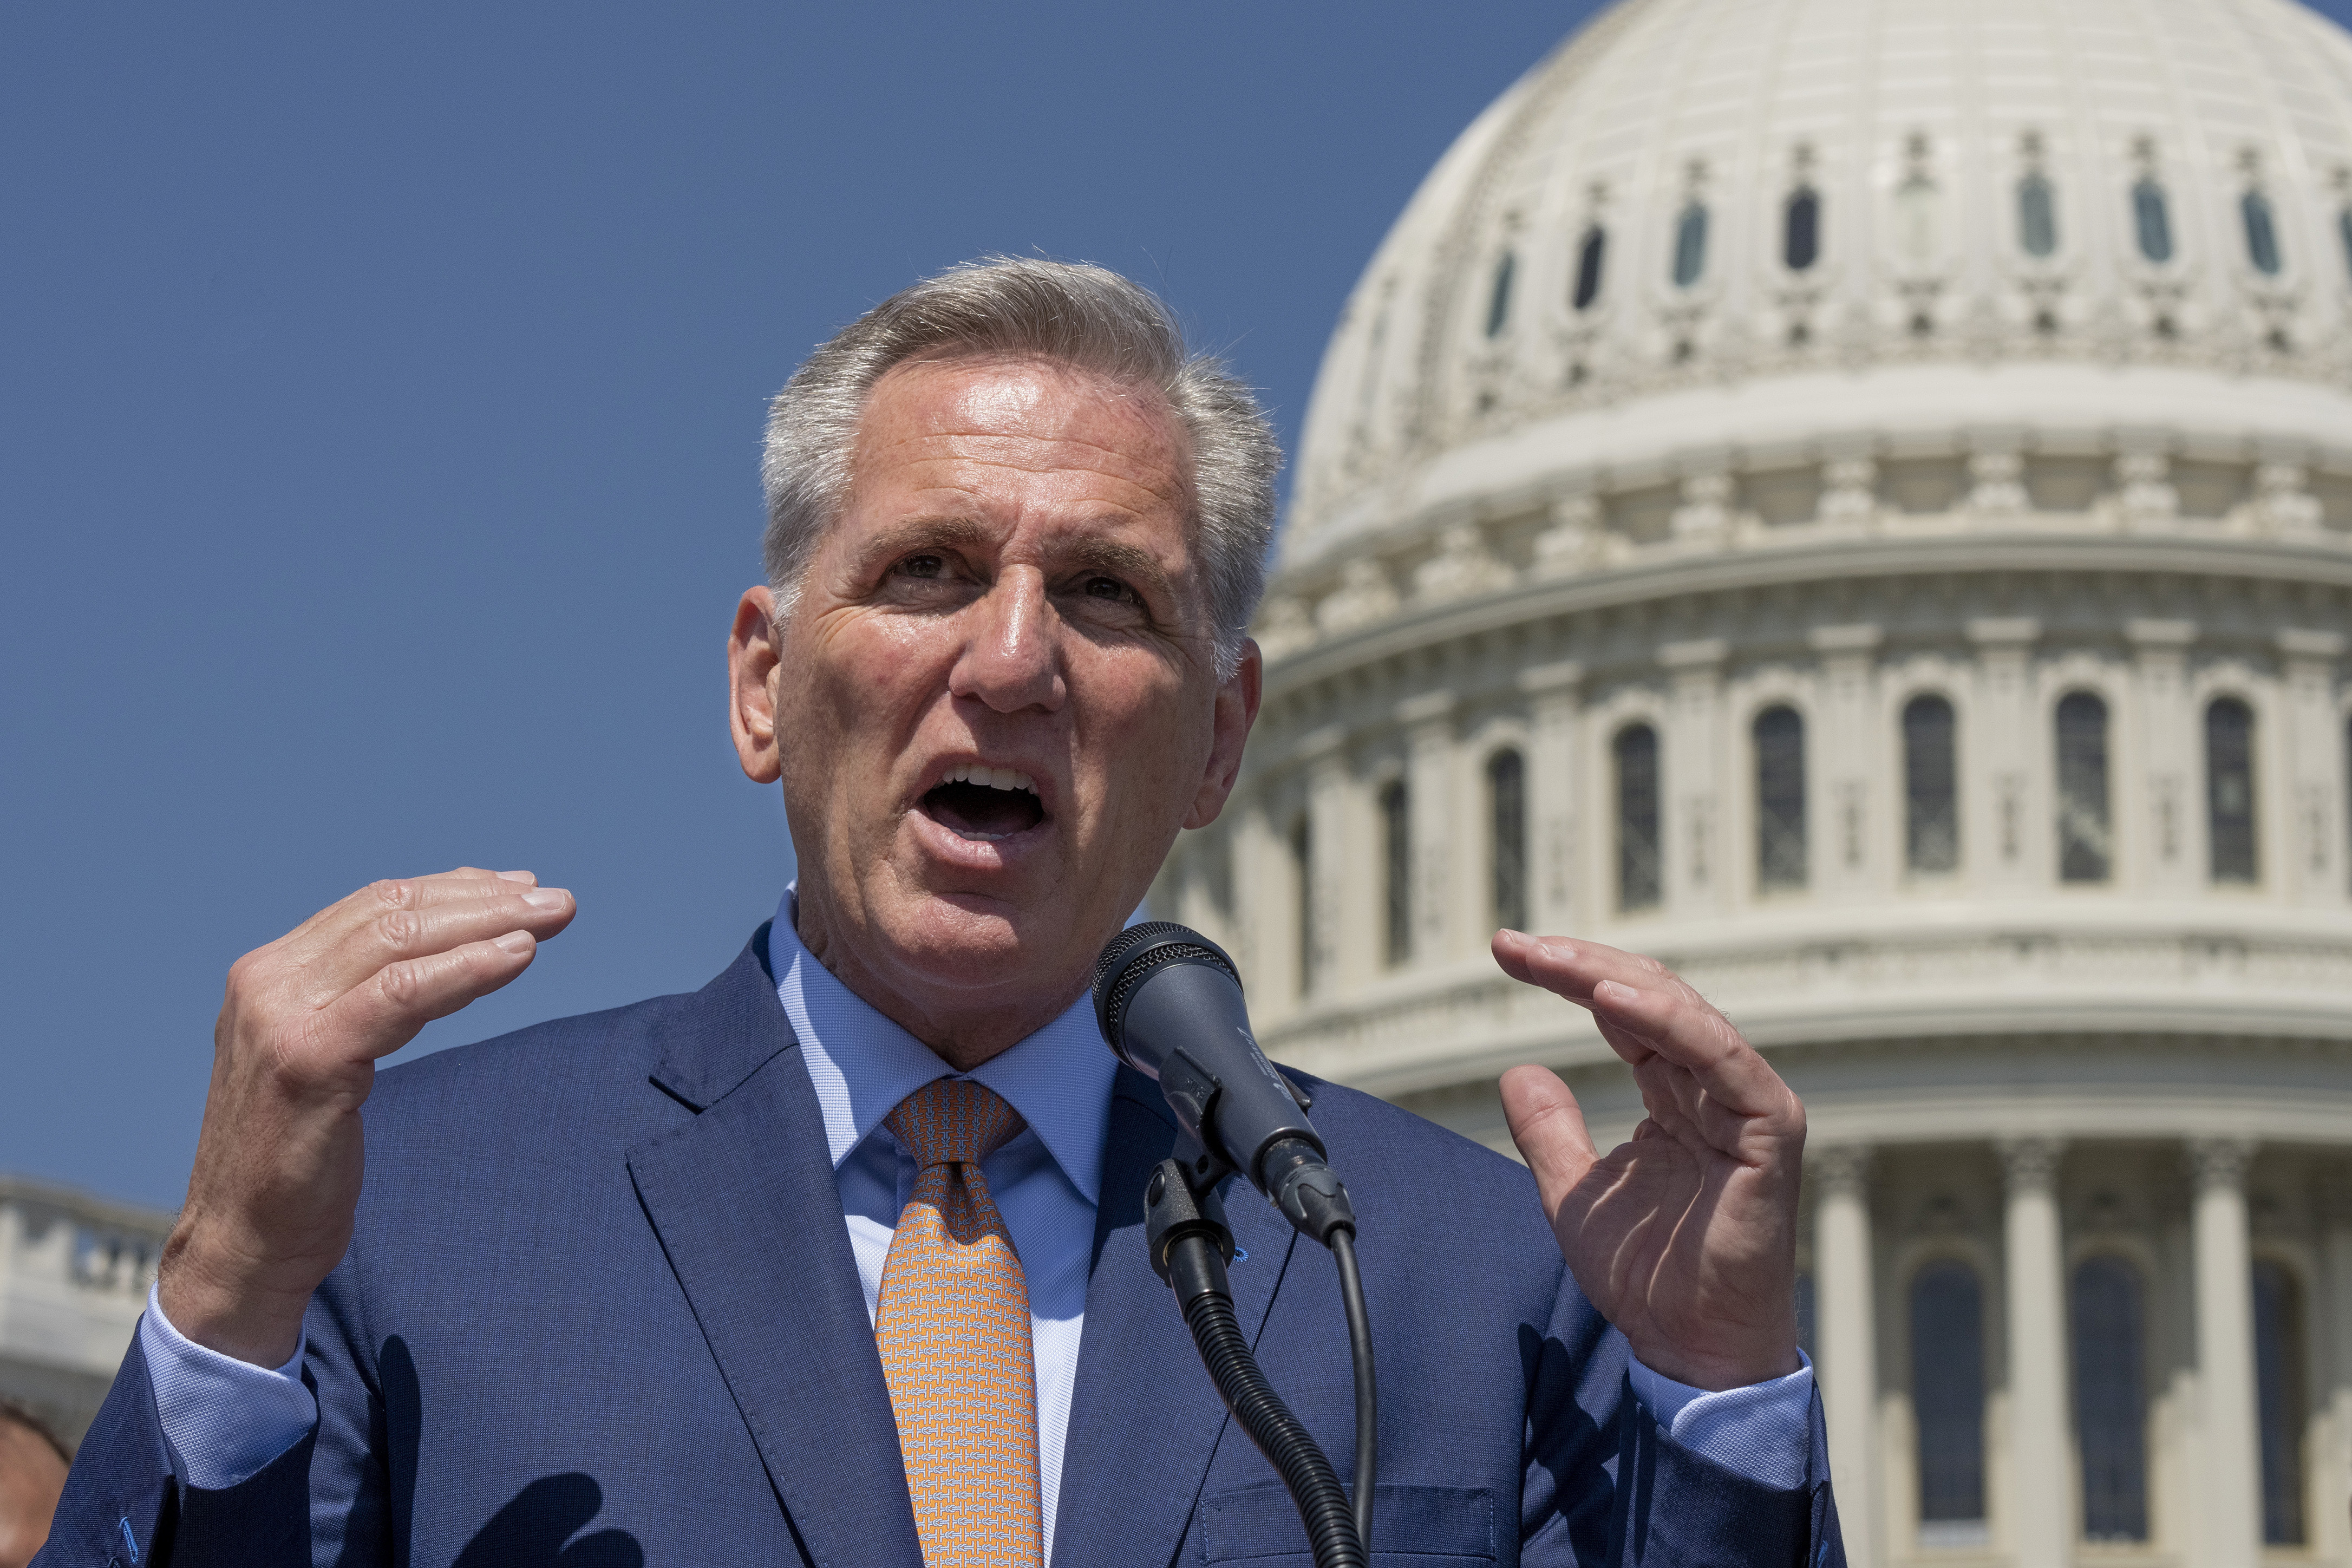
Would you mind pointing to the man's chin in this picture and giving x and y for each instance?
(966, 940)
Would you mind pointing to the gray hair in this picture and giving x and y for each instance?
(1082, 316)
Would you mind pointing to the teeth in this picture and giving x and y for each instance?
(993, 778)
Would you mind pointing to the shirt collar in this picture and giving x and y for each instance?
(863, 1064)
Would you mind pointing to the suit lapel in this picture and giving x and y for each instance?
(744, 1201)
(1143, 1406)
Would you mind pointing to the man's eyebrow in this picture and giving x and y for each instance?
(916, 534)
(1117, 556)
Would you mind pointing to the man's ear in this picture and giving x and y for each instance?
(751, 659)
(1237, 701)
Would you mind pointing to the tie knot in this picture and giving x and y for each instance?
(953, 1120)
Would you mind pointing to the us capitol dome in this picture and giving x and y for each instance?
(1853, 498)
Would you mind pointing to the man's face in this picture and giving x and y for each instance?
(996, 700)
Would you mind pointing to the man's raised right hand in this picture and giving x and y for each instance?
(277, 1168)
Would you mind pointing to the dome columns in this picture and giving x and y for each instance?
(2229, 1466)
(1553, 693)
(2166, 726)
(1326, 935)
(2009, 729)
(1427, 721)
(2317, 757)
(1845, 1295)
(2041, 1473)
(1849, 754)
(1697, 881)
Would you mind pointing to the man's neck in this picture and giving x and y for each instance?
(963, 1036)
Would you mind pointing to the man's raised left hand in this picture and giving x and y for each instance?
(1683, 1238)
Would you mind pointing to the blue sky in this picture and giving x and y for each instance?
(379, 403)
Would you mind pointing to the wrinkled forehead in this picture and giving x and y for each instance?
(1027, 413)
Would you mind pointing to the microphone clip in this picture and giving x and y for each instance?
(1180, 1204)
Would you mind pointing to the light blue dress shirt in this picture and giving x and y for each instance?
(226, 1418)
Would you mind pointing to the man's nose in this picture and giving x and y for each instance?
(1011, 659)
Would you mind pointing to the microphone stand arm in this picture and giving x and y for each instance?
(1190, 1245)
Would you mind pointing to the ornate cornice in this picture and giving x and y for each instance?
(1821, 566)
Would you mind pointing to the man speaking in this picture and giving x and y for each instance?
(840, 1260)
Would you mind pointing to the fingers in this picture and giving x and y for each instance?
(1679, 1025)
(398, 892)
(1643, 1007)
(398, 921)
(1571, 968)
(384, 1013)
(1548, 1125)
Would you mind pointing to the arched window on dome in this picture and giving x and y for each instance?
(2111, 1398)
(2037, 216)
(2229, 789)
(1396, 864)
(2262, 233)
(2151, 219)
(1507, 809)
(2344, 234)
(1947, 1397)
(1591, 257)
(1498, 297)
(1931, 815)
(1801, 230)
(1302, 873)
(1690, 244)
(1640, 881)
(1779, 734)
(2086, 838)
(2279, 1399)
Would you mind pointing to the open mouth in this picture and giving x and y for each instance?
(984, 804)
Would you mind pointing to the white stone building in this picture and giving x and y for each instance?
(74, 1272)
(1855, 497)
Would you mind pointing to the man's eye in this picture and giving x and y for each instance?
(923, 566)
(1109, 588)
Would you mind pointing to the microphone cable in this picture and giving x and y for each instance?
(1367, 1409)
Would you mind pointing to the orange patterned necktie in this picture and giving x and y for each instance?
(953, 1327)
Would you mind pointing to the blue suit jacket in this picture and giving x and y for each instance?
(599, 1311)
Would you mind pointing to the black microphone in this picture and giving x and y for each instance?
(1170, 1003)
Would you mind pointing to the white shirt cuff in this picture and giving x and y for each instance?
(1764, 1431)
(224, 1417)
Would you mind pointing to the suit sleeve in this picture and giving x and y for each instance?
(1605, 1487)
(323, 1501)
(125, 1503)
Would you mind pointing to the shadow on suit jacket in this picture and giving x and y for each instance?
(599, 1311)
